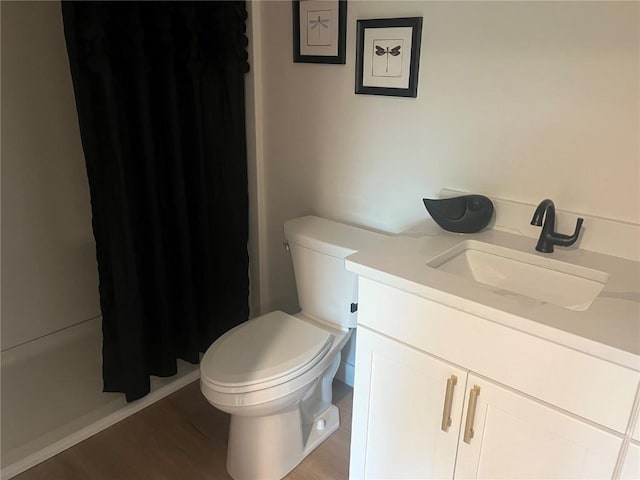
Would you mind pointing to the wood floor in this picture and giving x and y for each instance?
(182, 437)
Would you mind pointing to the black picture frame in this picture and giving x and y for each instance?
(320, 54)
(370, 34)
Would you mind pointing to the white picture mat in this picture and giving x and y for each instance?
(326, 10)
(403, 34)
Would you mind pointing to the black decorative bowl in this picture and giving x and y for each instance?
(466, 214)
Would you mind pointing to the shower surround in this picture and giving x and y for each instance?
(52, 395)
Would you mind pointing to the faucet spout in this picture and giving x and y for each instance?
(545, 206)
(549, 237)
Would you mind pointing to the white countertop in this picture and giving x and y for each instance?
(608, 329)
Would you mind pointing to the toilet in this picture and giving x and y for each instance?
(273, 374)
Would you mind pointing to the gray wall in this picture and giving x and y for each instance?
(49, 273)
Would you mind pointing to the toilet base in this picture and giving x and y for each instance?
(325, 425)
(269, 447)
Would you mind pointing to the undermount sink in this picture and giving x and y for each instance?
(545, 279)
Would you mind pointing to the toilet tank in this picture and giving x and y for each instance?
(326, 290)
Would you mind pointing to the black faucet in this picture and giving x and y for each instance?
(548, 236)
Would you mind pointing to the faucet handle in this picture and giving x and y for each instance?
(568, 240)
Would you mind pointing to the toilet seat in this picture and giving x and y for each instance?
(265, 351)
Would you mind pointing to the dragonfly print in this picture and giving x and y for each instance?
(394, 52)
(319, 23)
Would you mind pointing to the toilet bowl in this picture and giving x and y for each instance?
(273, 374)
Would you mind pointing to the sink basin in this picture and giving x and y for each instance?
(545, 279)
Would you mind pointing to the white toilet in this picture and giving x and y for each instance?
(273, 374)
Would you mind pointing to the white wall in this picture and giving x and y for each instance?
(255, 156)
(49, 273)
(523, 100)
(519, 100)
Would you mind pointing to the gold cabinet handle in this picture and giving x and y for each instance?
(471, 414)
(448, 400)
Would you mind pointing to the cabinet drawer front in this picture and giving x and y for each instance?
(586, 386)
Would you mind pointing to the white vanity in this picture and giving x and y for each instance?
(478, 357)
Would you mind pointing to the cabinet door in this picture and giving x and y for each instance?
(399, 399)
(516, 437)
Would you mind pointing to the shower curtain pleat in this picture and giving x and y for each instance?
(159, 89)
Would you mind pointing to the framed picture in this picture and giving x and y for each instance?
(319, 31)
(388, 56)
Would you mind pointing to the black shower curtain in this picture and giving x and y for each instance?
(159, 90)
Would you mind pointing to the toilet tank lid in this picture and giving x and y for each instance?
(329, 237)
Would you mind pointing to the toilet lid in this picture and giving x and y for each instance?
(263, 349)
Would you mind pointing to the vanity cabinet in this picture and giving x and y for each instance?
(441, 393)
(416, 416)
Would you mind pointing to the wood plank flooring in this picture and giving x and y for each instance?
(182, 437)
